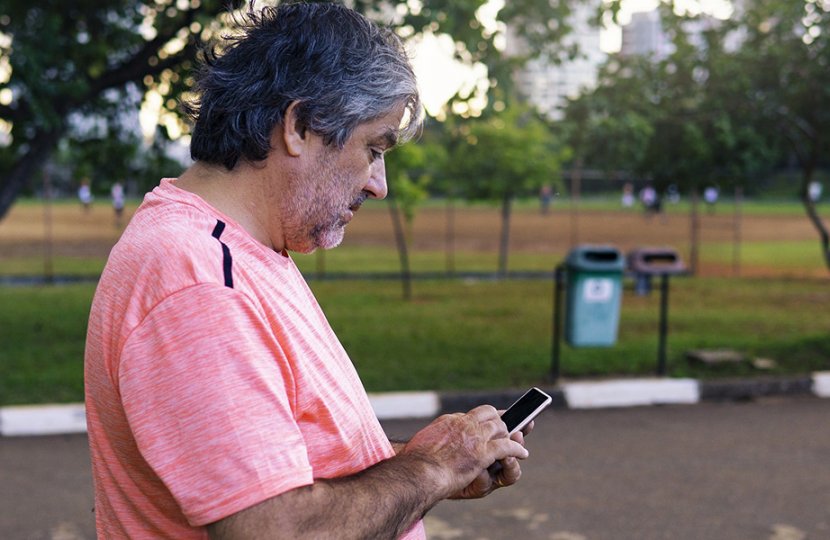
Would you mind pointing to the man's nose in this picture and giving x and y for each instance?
(376, 186)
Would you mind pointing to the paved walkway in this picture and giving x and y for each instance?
(736, 470)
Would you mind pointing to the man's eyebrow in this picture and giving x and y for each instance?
(388, 139)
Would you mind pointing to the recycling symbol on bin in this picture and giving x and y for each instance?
(598, 290)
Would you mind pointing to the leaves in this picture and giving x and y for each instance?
(506, 154)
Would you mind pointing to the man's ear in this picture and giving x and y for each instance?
(293, 131)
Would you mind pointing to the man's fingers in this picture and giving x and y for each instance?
(484, 412)
(489, 416)
(518, 437)
(506, 448)
(509, 472)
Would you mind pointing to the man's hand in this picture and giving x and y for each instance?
(472, 453)
(500, 474)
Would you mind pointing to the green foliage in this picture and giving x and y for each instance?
(77, 72)
(787, 56)
(506, 154)
(92, 61)
(410, 169)
(611, 127)
(729, 109)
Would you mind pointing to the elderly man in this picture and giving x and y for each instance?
(219, 401)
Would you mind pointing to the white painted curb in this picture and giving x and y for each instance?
(42, 419)
(631, 393)
(71, 418)
(821, 384)
(405, 404)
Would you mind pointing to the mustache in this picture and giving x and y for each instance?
(359, 200)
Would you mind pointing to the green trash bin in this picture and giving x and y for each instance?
(594, 295)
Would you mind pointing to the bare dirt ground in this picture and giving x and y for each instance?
(76, 233)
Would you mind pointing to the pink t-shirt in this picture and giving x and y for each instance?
(213, 379)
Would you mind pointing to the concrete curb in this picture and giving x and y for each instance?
(42, 420)
(30, 420)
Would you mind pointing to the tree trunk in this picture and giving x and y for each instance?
(400, 240)
(504, 243)
(25, 167)
(694, 232)
(736, 232)
(576, 188)
(450, 238)
(48, 266)
(812, 214)
(809, 160)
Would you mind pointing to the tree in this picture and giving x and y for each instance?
(786, 53)
(409, 170)
(90, 59)
(100, 58)
(506, 154)
(684, 119)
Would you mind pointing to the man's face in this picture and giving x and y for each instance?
(321, 202)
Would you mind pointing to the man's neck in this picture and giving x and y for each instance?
(236, 193)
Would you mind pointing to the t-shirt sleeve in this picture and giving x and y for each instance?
(208, 394)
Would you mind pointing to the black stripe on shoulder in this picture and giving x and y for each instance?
(227, 260)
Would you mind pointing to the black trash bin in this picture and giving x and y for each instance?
(645, 262)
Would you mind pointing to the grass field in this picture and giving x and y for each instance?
(466, 334)
(462, 333)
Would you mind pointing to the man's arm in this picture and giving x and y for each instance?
(448, 458)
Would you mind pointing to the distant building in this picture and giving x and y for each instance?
(547, 86)
(644, 36)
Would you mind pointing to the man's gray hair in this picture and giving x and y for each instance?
(341, 69)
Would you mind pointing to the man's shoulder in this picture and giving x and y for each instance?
(165, 247)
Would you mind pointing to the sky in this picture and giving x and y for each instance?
(440, 76)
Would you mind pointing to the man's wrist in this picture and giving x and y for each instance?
(433, 480)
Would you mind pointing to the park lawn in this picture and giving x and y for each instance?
(790, 255)
(465, 334)
(61, 266)
(43, 330)
(382, 259)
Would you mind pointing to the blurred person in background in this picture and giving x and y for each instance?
(85, 195)
(710, 197)
(117, 195)
(814, 190)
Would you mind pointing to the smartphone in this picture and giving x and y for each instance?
(525, 409)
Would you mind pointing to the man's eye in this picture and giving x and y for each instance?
(376, 154)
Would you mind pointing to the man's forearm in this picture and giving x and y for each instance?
(382, 501)
(449, 457)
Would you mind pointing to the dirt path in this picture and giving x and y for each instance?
(92, 234)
